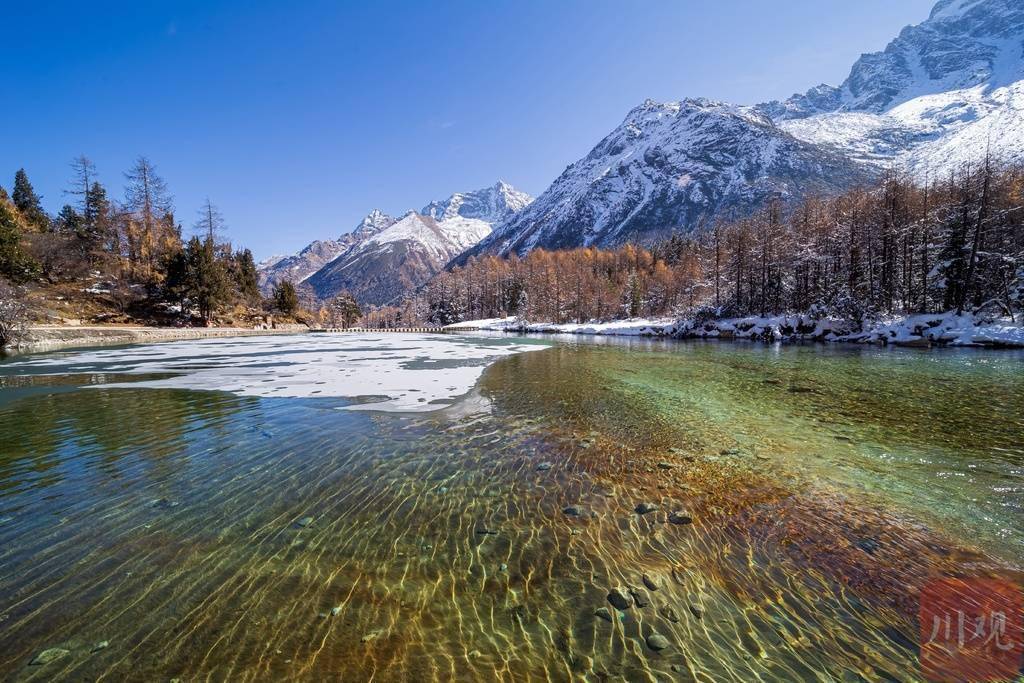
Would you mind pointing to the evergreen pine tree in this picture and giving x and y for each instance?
(176, 272)
(28, 202)
(15, 264)
(206, 278)
(246, 277)
(99, 224)
(286, 299)
(345, 309)
(69, 222)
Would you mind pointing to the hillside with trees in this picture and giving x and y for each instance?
(892, 248)
(103, 260)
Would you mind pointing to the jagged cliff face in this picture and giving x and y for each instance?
(942, 94)
(963, 44)
(934, 99)
(667, 167)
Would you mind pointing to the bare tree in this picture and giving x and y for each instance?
(13, 316)
(146, 197)
(83, 176)
(210, 224)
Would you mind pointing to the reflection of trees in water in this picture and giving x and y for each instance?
(49, 437)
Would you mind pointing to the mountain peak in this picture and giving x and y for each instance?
(373, 222)
(667, 167)
(491, 204)
(931, 100)
(962, 44)
(951, 9)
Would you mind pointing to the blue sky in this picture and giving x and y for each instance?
(298, 118)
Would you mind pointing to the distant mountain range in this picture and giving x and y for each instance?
(383, 258)
(941, 94)
(935, 98)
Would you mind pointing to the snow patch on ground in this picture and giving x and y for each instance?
(915, 330)
(411, 372)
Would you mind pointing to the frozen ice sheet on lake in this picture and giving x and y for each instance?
(409, 372)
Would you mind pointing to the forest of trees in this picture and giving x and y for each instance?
(135, 243)
(899, 247)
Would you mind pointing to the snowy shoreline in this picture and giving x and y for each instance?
(919, 330)
(56, 337)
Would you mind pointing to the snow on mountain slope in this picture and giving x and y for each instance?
(941, 94)
(271, 261)
(491, 204)
(439, 238)
(962, 44)
(668, 166)
(395, 261)
(314, 256)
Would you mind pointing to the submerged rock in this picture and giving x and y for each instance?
(680, 517)
(644, 508)
(49, 655)
(669, 614)
(869, 545)
(649, 582)
(603, 613)
(573, 510)
(620, 599)
(640, 597)
(657, 642)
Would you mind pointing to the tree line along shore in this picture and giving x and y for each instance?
(948, 249)
(118, 262)
(896, 248)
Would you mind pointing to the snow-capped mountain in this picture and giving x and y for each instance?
(314, 256)
(491, 204)
(384, 258)
(667, 167)
(399, 259)
(943, 93)
(938, 96)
